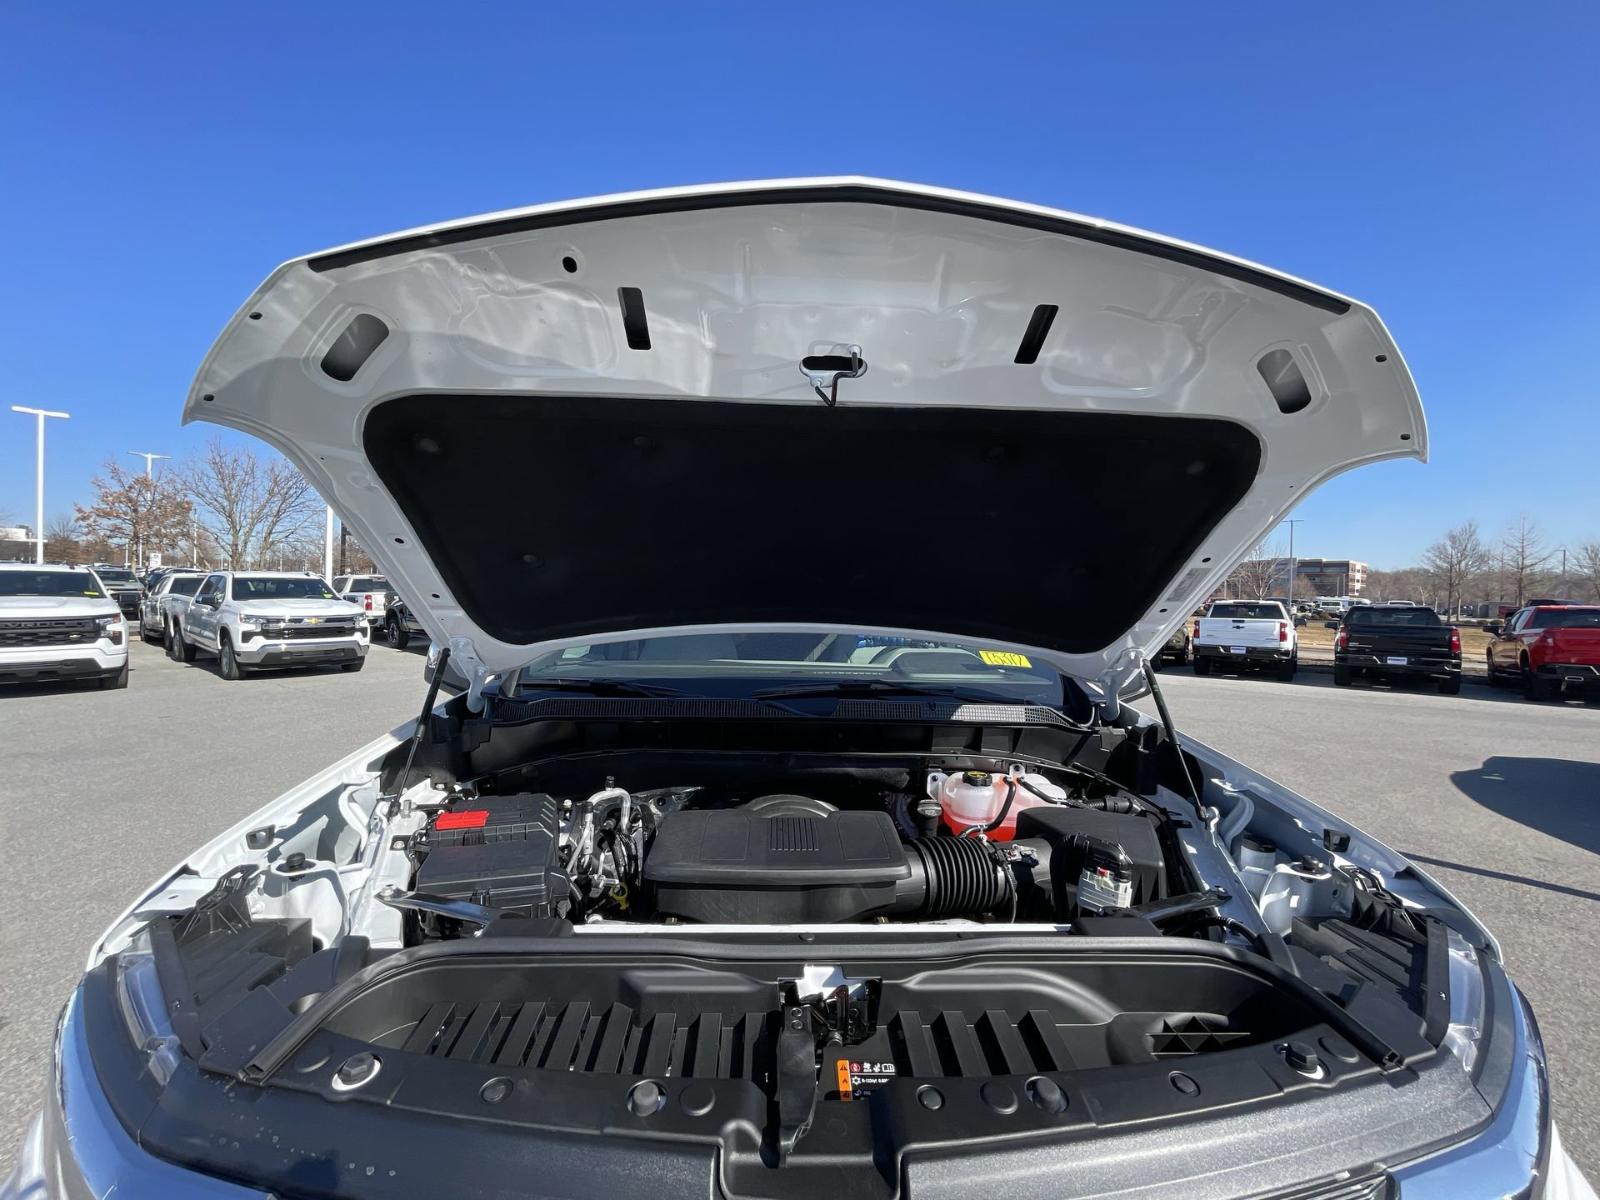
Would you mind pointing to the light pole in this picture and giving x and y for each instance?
(38, 531)
(1291, 525)
(149, 459)
(327, 545)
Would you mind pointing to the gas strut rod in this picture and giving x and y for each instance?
(422, 720)
(1172, 734)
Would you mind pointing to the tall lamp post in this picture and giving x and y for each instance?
(38, 529)
(1292, 563)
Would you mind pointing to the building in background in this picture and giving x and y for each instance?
(1330, 576)
(1312, 577)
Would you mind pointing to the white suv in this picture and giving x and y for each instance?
(256, 619)
(58, 623)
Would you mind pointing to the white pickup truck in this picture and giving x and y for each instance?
(60, 623)
(256, 619)
(369, 592)
(1240, 635)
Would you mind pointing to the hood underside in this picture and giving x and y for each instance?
(594, 420)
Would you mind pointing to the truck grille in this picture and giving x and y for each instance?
(62, 631)
(326, 629)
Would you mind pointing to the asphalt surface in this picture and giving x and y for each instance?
(101, 792)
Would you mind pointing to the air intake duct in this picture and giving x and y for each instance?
(953, 877)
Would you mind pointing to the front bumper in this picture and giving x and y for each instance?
(51, 664)
(295, 652)
(128, 602)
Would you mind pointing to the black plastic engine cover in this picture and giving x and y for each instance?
(497, 850)
(738, 867)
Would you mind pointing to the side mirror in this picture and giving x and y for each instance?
(1492, 628)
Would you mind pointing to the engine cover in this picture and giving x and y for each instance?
(739, 867)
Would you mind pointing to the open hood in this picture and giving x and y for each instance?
(820, 403)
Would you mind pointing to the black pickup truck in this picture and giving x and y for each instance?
(1397, 642)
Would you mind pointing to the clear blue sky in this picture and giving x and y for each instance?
(1440, 162)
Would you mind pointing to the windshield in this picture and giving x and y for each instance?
(805, 657)
(50, 583)
(1412, 617)
(1248, 612)
(369, 583)
(278, 587)
(185, 585)
(1566, 618)
(115, 575)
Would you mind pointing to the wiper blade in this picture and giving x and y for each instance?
(847, 689)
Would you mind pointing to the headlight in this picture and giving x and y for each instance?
(144, 1008)
(1468, 1004)
(255, 622)
(110, 627)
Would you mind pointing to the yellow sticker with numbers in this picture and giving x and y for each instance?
(1004, 658)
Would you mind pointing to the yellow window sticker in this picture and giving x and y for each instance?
(1004, 658)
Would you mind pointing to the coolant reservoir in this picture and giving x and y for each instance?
(970, 798)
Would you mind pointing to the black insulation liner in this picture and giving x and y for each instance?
(554, 516)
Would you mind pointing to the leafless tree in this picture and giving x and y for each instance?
(1522, 558)
(1587, 562)
(1255, 578)
(250, 506)
(135, 512)
(1453, 562)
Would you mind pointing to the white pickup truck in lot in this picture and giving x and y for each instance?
(1239, 635)
(257, 619)
(58, 624)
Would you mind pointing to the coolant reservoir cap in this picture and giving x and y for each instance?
(977, 778)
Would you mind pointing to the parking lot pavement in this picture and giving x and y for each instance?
(102, 791)
(1495, 797)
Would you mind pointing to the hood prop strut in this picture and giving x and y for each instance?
(422, 721)
(1172, 734)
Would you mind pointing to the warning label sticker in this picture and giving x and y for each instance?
(859, 1079)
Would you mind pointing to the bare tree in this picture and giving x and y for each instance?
(1522, 557)
(1255, 578)
(1587, 562)
(134, 512)
(250, 507)
(62, 538)
(1453, 562)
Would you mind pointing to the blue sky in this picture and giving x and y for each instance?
(1437, 161)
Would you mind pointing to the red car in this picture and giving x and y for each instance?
(1550, 649)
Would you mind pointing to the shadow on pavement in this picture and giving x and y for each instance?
(1556, 796)
(1562, 888)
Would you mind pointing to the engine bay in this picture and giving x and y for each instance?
(758, 846)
